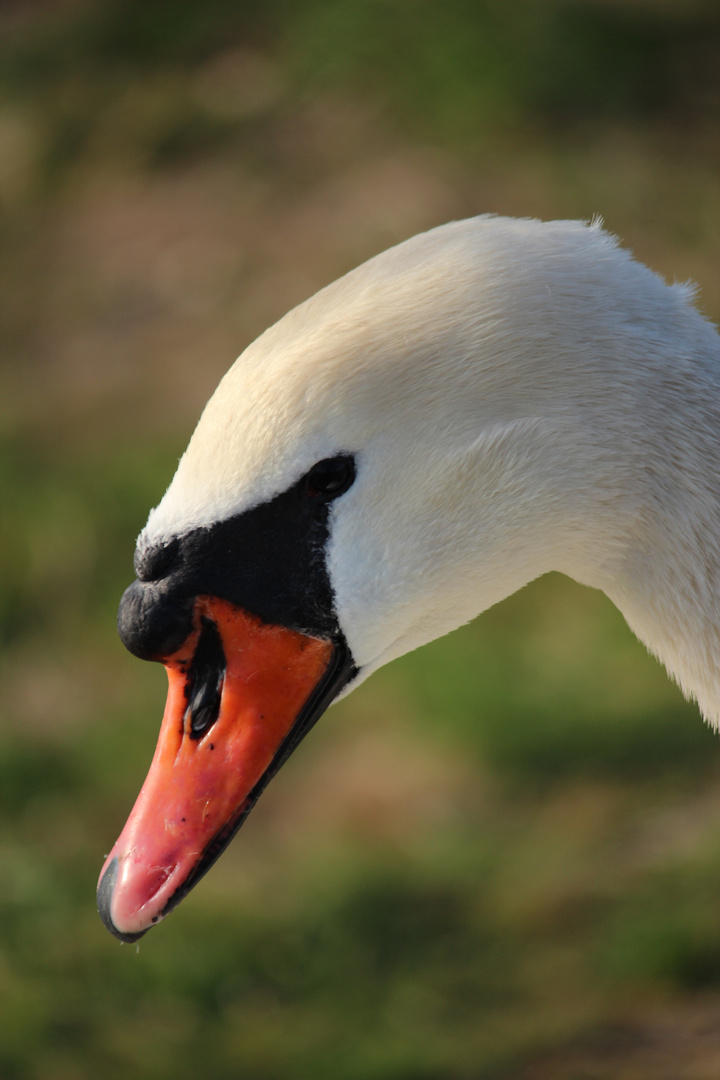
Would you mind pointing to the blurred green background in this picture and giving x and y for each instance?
(500, 858)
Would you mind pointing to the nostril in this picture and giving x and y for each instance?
(205, 681)
(204, 716)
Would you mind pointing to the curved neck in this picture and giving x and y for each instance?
(668, 586)
(664, 575)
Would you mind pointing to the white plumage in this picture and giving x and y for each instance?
(521, 397)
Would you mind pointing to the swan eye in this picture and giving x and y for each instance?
(331, 477)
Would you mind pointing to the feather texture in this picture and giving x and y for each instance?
(520, 397)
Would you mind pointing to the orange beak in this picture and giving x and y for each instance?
(241, 695)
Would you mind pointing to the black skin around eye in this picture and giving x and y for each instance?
(331, 477)
(269, 560)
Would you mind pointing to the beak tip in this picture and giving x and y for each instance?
(105, 890)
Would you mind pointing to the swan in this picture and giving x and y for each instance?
(484, 403)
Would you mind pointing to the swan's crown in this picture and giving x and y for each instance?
(477, 315)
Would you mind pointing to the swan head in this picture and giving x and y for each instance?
(376, 469)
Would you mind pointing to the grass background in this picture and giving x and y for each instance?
(500, 857)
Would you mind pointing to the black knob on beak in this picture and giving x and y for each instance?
(151, 622)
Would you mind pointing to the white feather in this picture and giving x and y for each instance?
(521, 397)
